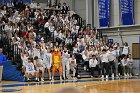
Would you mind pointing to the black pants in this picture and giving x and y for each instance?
(93, 69)
(105, 68)
(112, 68)
(86, 63)
(120, 69)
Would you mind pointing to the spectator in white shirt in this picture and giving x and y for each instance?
(39, 66)
(92, 64)
(104, 64)
(30, 70)
(33, 4)
(125, 64)
(86, 59)
(112, 58)
(73, 65)
(126, 49)
(130, 60)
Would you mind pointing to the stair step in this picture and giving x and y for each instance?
(11, 73)
(85, 76)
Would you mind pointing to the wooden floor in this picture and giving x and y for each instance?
(88, 85)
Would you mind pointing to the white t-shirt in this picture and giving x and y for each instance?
(51, 28)
(125, 50)
(36, 52)
(47, 58)
(85, 57)
(30, 67)
(92, 63)
(111, 55)
(24, 60)
(38, 63)
(46, 24)
(124, 62)
(33, 5)
(104, 58)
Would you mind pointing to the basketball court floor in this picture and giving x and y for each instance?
(118, 85)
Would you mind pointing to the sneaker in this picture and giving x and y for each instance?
(84, 67)
(78, 76)
(130, 75)
(37, 79)
(125, 75)
(112, 75)
(106, 77)
(42, 79)
(61, 79)
(50, 78)
(28, 80)
(74, 79)
(102, 76)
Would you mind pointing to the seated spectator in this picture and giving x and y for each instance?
(125, 66)
(30, 70)
(39, 66)
(93, 65)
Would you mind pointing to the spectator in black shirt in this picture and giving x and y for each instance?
(64, 8)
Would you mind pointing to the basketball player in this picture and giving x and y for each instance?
(47, 61)
(56, 63)
(30, 70)
(39, 66)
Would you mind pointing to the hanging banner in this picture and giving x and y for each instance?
(0, 2)
(104, 12)
(24, 1)
(127, 12)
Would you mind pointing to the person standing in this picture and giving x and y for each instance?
(47, 61)
(112, 64)
(64, 59)
(73, 65)
(56, 63)
(104, 63)
(2, 61)
(126, 49)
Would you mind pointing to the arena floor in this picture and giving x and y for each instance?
(89, 85)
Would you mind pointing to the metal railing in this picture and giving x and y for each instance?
(11, 51)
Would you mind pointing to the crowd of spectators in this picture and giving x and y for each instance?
(34, 30)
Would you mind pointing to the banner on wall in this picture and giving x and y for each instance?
(24, 1)
(104, 12)
(0, 2)
(127, 12)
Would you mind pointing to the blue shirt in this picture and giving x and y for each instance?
(2, 59)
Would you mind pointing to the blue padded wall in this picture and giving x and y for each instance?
(11, 73)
